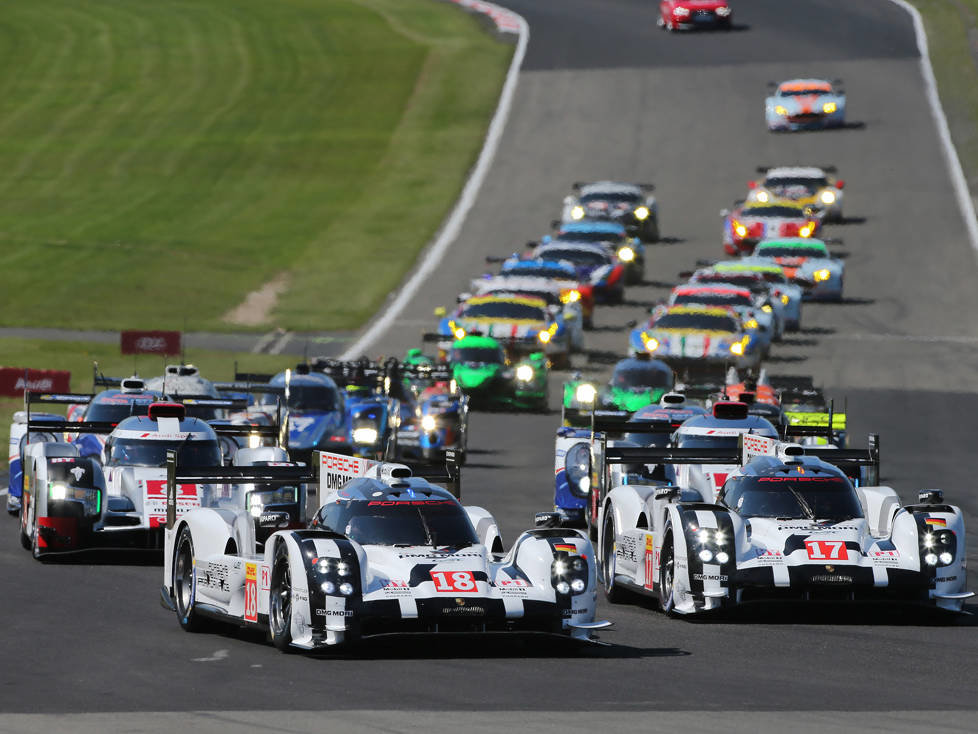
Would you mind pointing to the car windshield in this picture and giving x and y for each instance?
(316, 398)
(139, 452)
(794, 251)
(580, 257)
(783, 212)
(503, 310)
(592, 236)
(638, 376)
(612, 197)
(802, 91)
(430, 522)
(541, 271)
(699, 441)
(816, 497)
(773, 276)
(479, 355)
(113, 410)
(791, 182)
(714, 299)
(743, 280)
(697, 321)
(205, 412)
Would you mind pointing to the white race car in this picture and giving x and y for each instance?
(386, 552)
(788, 525)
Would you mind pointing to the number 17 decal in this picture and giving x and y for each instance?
(827, 550)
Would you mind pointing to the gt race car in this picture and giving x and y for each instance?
(568, 304)
(788, 526)
(805, 261)
(558, 272)
(786, 296)
(597, 266)
(756, 311)
(807, 185)
(676, 15)
(750, 222)
(696, 337)
(386, 552)
(633, 205)
(629, 250)
(805, 104)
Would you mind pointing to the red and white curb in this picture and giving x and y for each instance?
(508, 21)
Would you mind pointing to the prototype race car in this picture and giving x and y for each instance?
(434, 412)
(685, 15)
(386, 552)
(751, 222)
(629, 250)
(807, 185)
(696, 336)
(635, 382)
(788, 525)
(805, 261)
(633, 205)
(805, 104)
(597, 267)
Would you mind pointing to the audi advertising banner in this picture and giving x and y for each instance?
(166, 343)
(14, 380)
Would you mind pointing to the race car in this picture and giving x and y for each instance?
(482, 371)
(696, 336)
(560, 273)
(809, 412)
(807, 185)
(568, 304)
(805, 261)
(633, 205)
(597, 266)
(676, 15)
(786, 296)
(629, 250)
(434, 412)
(387, 552)
(635, 382)
(788, 525)
(805, 104)
(757, 311)
(522, 324)
(750, 222)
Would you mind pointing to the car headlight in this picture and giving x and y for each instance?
(829, 107)
(571, 296)
(524, 373)
(585, 393)
(459, 333)
(766, 308)
(568, 574)
(740, 229)
(626, 254)
(681, 12)
(642, 213)
(940, 546)
(577, 465)
(365, 435)
(752, 324)
(822, 275)
(737, 348)
(827, 197)
(428, 423)
(780, 110)
(762, 196)
(577, 212)
(651, 343)
(785, 298)
(806, 230)
(337, 576)
(544, 337)
(723, 11)
(57, 492)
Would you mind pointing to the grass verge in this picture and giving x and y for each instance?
(161, 159)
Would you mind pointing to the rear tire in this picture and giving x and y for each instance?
(185, 583)
(667, 574)
(612, 591)
(280, 600)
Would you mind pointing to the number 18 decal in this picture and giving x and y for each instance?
(453, 580)
(251, 593)
(827, 550)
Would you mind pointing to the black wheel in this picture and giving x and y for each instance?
(25, 539)
(652, 231)
(280, 600)
(667, 570)
(612, 591)
(185, 583)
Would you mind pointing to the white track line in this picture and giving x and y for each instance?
(456, 219)
(960, 183)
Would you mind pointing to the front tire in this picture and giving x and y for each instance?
(280, 600)
(185, 583)
(667, 574)
(612, 592)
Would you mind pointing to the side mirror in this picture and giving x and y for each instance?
(840, 184)
(440, 312)
(546, 520)
(531, 245)
(752, 184)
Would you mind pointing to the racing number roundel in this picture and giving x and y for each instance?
(826, 550)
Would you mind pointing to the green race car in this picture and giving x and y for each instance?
(635, 383)
(481, 371)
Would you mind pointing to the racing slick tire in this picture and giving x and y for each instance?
(612, 592)
(667, 568)
(280, 600)
(25, 541)
(184, 583)
(651, 231)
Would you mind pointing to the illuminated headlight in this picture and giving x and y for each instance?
(459, 333)
(585, 393)
(762, 196)
(681, 12)
(428, 423)
(719, 537)
(544, 337)
(829, 107)
(642, 213)
(343, 568)
(569, 575)
(822, 275)
(780, 110)
(703, 536)
(722, 557)
(563, 587)
(785, 298)
(723, 11)
(946, 558)
(346, 588)
(57, 492)
(766, 308)
(827, 197)
(930, 559)
(255, 506)
(651, 344)
(571, 296)
(740, 229)
(752, 324)
(578, 585)
(929, 540)
(254, 440)
(328, 586)
(626, 254)
(524, 373)
(365, 435)
(706, 555)
(577, 212)
(806, 230)
(737, 348)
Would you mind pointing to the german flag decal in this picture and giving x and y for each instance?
(567, 547)
(938, 522)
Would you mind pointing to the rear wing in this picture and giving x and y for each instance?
(49, 398)
(335, 470)
(234, 404)
(851, 461)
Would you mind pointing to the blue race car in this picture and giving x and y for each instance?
(805, 261)
(630, 250)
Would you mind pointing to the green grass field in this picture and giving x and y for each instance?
(159, 159)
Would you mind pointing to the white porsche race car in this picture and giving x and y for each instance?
(386, 552)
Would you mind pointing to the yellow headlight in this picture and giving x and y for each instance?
(626, 254)
(762, 196)
(785, 298)
(651, 343)
(524, 373)
(737, 348)
(766, 308)
(428, 422)
(752, 324)
(642, 213)
(806, 230)
(829, 107)
(827, 197)
(459, 333)
(571, 296)
(779, 110)
(585, 393)
(740, 229)
(544, 336)
(823, 274)
(577, 212)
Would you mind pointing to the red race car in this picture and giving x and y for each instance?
(685, 15)
(753, 221)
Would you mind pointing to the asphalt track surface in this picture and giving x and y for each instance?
(605, 94)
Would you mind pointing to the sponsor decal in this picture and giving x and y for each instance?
(14, 380)
(936, 522)
(826, 550)
(388, 503)
(166, 343)
(395, 587)
(463, 607)
(625, 548)
(299, 595)
(722, 578)
(650, 558)
(445, 557)
(334, 612)
(513, 582)
(251, 592)
(770, 557)
(885, 557)
(566, 547)
(446, 581)
(945, 579)
(155, 503)
(831, 579)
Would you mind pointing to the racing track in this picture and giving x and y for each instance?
(605, 94)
